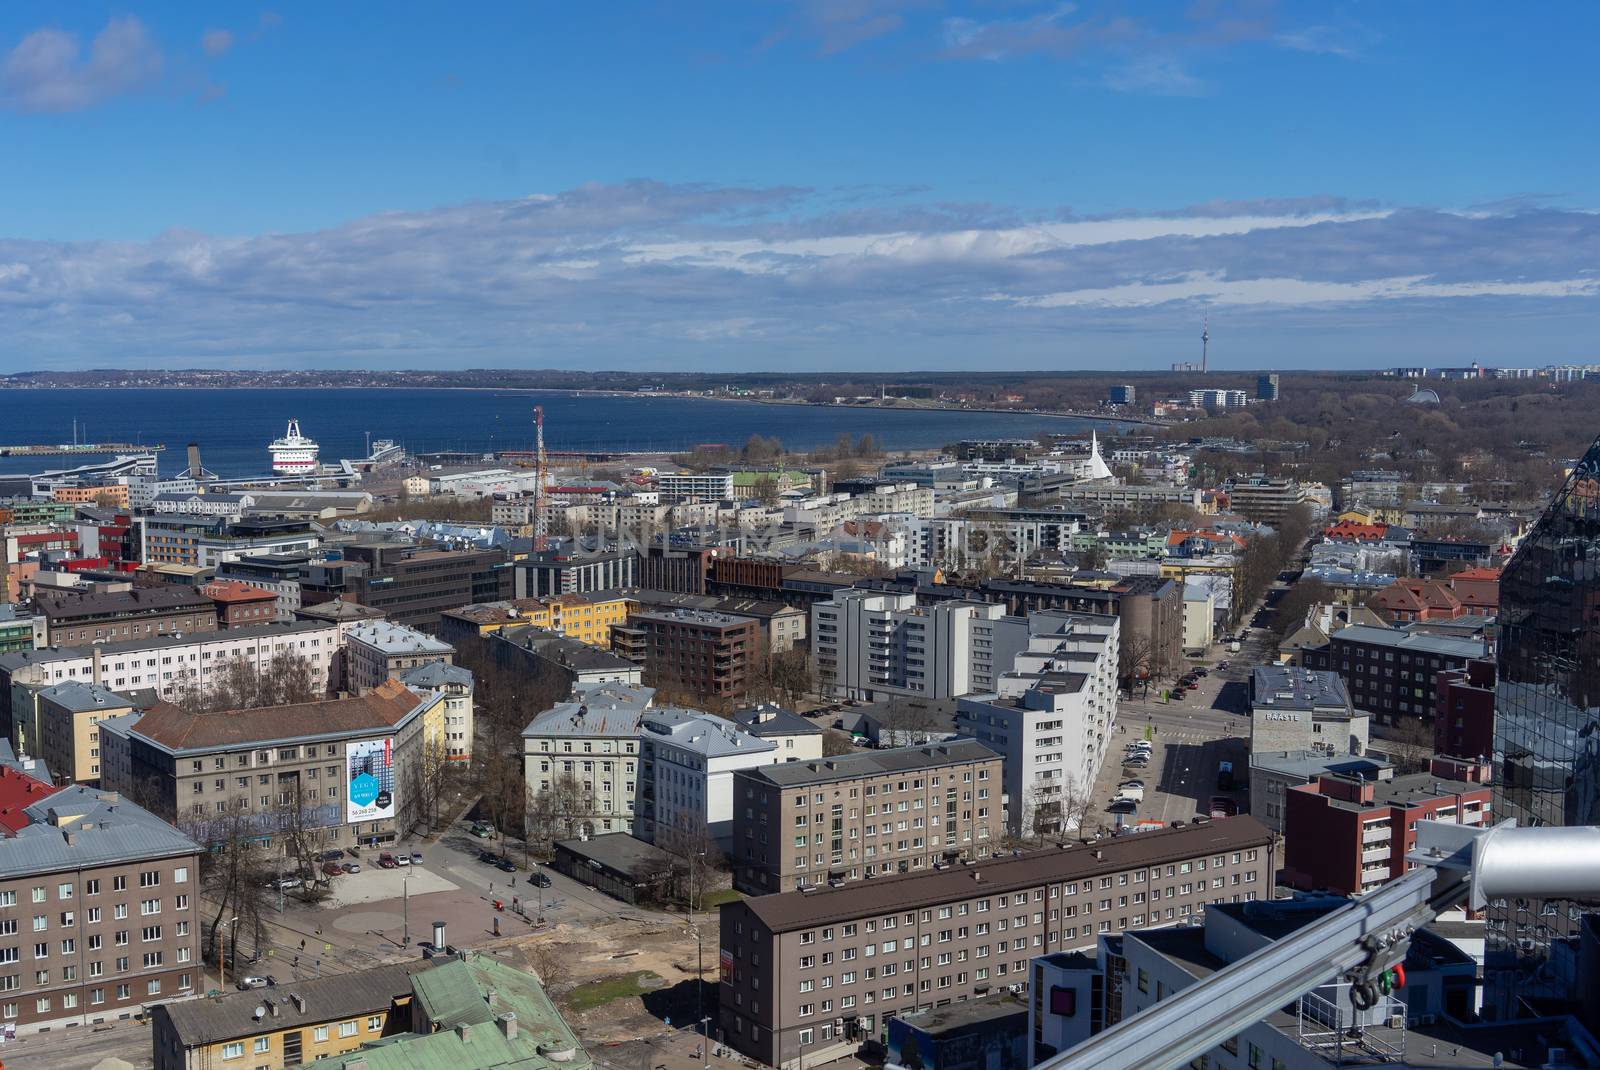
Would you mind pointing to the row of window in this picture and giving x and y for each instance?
(148, 878)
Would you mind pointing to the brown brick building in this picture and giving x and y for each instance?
(712, 655)
(806, 823)
(99, 912)
(807, 975)
(239, 604)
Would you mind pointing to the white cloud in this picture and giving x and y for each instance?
(1214, 289)
(216, 42)
(46, 72)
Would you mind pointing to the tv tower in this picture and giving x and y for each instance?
(1205, 342)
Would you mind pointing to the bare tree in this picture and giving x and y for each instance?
(550, 965)
(559, 810)
(835, 742)
(697, 849)
(237, 684)
(233, 867)
(1409, 744)
(502, 790)
(1136, 657)
(907, 722)
(429, 778)
(301, 822)
(1074, 802)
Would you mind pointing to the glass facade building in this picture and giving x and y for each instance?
(1547, 718)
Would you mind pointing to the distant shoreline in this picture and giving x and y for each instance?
(665, 395)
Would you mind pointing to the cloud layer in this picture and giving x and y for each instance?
(48, 72)
(650, 274)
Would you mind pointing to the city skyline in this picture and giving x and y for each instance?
(823, 186)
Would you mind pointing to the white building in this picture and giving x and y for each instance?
(687, 761)
(593, 738)
(1218, 399)
(696, 486)
(165, 664)
(231, 506)
(909, 498)
(379, 649)
(456, 683)
(1199, 615)
(1051, 715)
(872, 644)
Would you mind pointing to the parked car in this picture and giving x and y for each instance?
(1136, 794)
(284, 883)
(1136, 763)
(1123, 806)
(482, 830)
(1131, 784)
(245, 984)
(402, 859)
(1222, 806)
(488, 856)
(331, 869)
(539, 880)
(416, 858)
(505, 865)
(386, 861)
(1202, 671)
(1225, 776)
(332, 856)
(351, 867)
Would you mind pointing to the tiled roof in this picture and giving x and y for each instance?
(383, 708)
(236, 591)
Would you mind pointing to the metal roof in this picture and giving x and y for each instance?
(79, 827)
(873, 763)
(1410, 641)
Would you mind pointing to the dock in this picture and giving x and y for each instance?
(79, 449)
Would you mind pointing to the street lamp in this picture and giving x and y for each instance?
(405, 908)
(222, 972)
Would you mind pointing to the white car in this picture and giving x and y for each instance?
(247, 983)
(401, 858)
(1136, 794)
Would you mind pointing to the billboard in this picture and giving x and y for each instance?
(369, 795)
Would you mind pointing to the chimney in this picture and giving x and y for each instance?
(272, 1008)
(508, 1025)
(299, 1001)
(463, 1030)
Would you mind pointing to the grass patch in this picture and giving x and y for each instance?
(717, 898)
(599, 993)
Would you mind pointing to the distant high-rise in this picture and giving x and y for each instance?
(1267, 387)
(1547, 717)
(1122, 394)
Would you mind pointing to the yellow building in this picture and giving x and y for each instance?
(585, 617)
(1357, 516)
(291, 1024)
(69, 715)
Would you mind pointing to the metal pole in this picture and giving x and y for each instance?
(405, 908)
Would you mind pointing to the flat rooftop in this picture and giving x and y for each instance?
(872, 763)
(1291, 688)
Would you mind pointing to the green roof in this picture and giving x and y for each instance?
(467, 1005)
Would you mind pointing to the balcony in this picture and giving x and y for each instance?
(1375, 835)
(1375, 854)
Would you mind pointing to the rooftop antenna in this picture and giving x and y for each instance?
(1205, 342)
(541, 526)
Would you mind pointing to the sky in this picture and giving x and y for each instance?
(823, 184)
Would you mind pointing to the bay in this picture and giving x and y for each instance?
(234, 426)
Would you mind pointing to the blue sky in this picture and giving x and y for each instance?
(839, 183)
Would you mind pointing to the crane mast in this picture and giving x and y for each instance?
(541, 523)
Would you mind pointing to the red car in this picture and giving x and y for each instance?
(331, 869)
(386, 861)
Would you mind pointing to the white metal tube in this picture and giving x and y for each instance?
(1536, 863)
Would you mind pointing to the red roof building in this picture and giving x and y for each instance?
(17, 792)
(240, 604)
(1350, 531)
(1478, 589)
(1407, 600)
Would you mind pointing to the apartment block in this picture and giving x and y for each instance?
(585, 617)
(706, 653)
(67, 722)
(1264, 499)
(411, 584)
(381, 649)
(458, 687)
(1349, 834)
(206, 542)
(874, 644)
(696, 486)
(1390, 671)
(580, 758)
(111, 612)
(859, 815)
(1274, 773)
(1050, 716)
(687, 760)
(806, 975)
(163, 664)
(556, 572)
(348, 763)
(86, 873)
(1463, 715)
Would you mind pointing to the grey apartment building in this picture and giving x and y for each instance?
(199, 767)
(858, 815)
(99, 912)
(805, 976)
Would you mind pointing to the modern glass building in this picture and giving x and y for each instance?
(1547, 718)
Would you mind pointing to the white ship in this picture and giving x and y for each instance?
(294, 454)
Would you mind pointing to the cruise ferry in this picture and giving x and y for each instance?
(294, 454)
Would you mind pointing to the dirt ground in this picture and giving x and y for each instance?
(619, 947)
